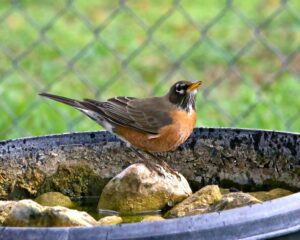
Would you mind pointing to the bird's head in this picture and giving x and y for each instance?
(183, 94)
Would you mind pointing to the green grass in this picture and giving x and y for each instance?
(24, 113)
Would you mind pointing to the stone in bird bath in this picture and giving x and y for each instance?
(27, 213)
(55, 199)
(233, 200)
(138, 189)
(197, 203)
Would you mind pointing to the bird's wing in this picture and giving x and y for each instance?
(146, 115)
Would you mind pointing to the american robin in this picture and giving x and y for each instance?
(155, 124)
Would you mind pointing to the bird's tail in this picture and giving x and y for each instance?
(68, 101)
(80, 105)
(90, 108)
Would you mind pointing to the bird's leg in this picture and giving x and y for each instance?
(149, 164)
(163, 164)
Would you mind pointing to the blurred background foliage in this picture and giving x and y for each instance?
(247, 52)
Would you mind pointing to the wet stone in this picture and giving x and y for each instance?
(55, 199)
(233, 200)
(27, 213)
(197, 203)
(110, 220)
(138, 189)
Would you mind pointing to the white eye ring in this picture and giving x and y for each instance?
(180, 91)
(178, 85)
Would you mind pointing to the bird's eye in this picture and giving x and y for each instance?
(180, 88)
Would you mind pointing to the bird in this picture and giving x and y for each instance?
(152, 124)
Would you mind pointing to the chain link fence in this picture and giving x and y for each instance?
(246, 52)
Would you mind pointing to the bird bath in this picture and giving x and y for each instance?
(246, 159)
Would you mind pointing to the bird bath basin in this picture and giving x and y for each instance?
(246, 159)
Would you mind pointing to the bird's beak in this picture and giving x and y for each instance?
(194, 86)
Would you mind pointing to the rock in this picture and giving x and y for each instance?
(152, 218)
(198, 203)
(27, 213)
(55, 199)
(110, 220)
(138, 189)
(233, 200)
(5, 207)
(274, 193)
(64, 217)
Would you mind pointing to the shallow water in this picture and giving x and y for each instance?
(89, 205)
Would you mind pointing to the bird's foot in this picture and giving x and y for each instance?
(158, 165)
(168, 168)
(153, 166)
(164, 165)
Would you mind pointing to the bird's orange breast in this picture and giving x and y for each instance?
(169, 137)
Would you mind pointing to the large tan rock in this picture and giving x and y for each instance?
(198, 203)
(51, 199)
(138, 189)
(27, 213)
(270, 195)
(233, 200)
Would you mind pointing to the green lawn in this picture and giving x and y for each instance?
(101, 49)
